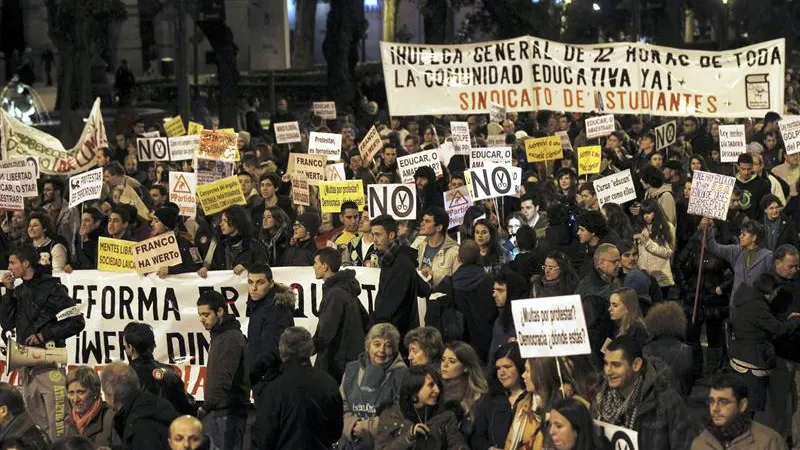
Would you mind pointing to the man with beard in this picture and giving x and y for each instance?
(428, 192)
(730, 425)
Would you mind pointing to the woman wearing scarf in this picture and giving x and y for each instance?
(369, 383)
(419, 419)
(90, 417)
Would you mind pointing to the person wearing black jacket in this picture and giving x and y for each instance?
(16, 424)
(400, 284)
(227, 389)
(495, 411)
(84, 256)
(164, 220)
(41, 311)
(237, 248)
(754, 329)
(154, 377)
(595, 290)
(340, 333)
(268, 187)
(303, 409)
(141, 419)
(301, 253)
(271, 308)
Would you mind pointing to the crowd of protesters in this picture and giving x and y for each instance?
(454, 376)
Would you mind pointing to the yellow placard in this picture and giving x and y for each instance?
(589, 159)
(544, 149)
(221, 194)
(333, 193)
(226, 130)
(115, 255)
(194, 128)
(174, 127)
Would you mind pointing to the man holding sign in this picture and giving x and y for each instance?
(636, 394)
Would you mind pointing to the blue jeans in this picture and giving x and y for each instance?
(226, 429)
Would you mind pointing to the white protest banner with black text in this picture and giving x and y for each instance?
(396, 200)
(617, 188)
(529, 73)
(153, 149)
(480, 157)
(600, 126)
(790, 131)
(325, 110)
(666, 134)
(85, 186)
(459, 132)
(494, 180)
(551, 326)
(408, 164)
(732, 142)
(328, 144)
(711, 194)
(109, 301)
(183, 148)
(287, 132)
(20, 171)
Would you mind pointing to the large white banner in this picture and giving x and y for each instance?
(111, 300)
(20, 140)
(529, 73)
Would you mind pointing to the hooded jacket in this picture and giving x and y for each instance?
(444, 430)
(32, 308)
(755, 328)
(340, 333)
(734, 254)
(143, 422)
(233, 251)
(300, 254)
(227, 381)
(399, 287)
(445, 260)
(268, 318)
(661, 418)
(163, 380)
(753, 191)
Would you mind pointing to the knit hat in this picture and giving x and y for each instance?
(638, 281)
(674, 165)
(310, 221)
(245, 137)
(594, 222)
(168, 216)
(425, 172)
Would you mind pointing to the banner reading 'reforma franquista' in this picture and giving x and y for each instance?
(110, 300)
(529, 73)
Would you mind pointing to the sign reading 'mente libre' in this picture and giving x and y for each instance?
(529, 73)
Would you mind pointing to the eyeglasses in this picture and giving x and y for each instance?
(613, 261)
(720, 402)
(550, 268)
(298, 225)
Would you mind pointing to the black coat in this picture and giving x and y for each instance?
(227, 375)
(143, 422)
(190, 259)
(32, 308)
(400, 285)
(787, 232)
(493, 416)
(755, 328)
(300, 254)
(560, 238)
(233, 251)
(340, 333)
(85, 256)
(23, 428)
(302, 410)
(595, 293)
(786, 302)
(268, 318)
(162, 380)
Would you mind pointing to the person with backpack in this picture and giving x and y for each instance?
(341, 329)
(154, 377)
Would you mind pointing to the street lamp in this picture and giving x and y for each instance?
(595, 7)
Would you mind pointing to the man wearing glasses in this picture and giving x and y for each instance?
(730, 425)
(595, 290)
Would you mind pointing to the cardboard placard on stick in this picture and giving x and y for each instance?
(370, 145)
(19, 170)
(11, 198)
(617, 188)
(396, 200)
(300, 195)
(153, 149)
(287, 132)
(85, 186)
(221, 194)
(666, 134)
(551, 326)
(480, 157)
(493, 180)
(195, 128)
(599, 126)
(115, 255)
(335, 172)
(408, 164)
(328, 144)
(711, 194)
(183, 148)
(497, 113)
(156, 252)
(457, 202)
(566, 143)
(790, 132)
(459, 132)
(218, 145)
(325, 110)
(312, 166)
(589, 158)
(732, 142)
(174, 127)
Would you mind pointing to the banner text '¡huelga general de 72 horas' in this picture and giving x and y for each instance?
(528, 73)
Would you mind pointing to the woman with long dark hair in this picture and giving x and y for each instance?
(656, 242)
(495, 411)
(236, 248)
(493, 255)
(53, 255)
(617, 220)
(418, 419)
(558, 277)
(566, 183)
(276, 229)
(572, 428)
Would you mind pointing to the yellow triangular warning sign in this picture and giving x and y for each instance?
(181, 186)
(456, 199)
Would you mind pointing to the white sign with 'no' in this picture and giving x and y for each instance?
(396, 200)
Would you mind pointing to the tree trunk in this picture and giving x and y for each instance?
(221, 39)
(303, 53)
(345, 28)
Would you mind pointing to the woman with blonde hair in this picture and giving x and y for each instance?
(464, 381)
(627, 315)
